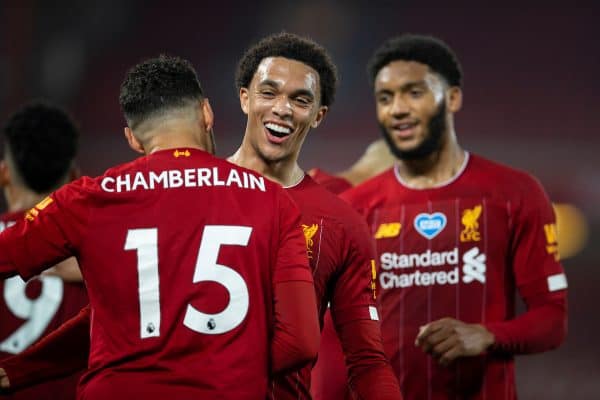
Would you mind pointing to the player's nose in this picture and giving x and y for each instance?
(282, 107)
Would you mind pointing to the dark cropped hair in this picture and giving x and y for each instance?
(157, 85)
(423, 49)
(42, 142)
(294, 47)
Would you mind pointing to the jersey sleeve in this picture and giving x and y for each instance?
(356, 319)
(292, 260)
(295, 340)
(50, 232)
(534, 246)
(539, 278)
(354, 293)
(57, 355)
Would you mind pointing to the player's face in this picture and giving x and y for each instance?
(411, 108)
(282, 104)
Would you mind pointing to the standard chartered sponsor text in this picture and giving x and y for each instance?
(394, 265)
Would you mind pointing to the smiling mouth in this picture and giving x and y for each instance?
(278, 130)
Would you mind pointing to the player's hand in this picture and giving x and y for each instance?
(4, 382)
(448, 339)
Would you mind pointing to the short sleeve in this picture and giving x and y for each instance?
(292, 260)
(534, 246)
(50, 232)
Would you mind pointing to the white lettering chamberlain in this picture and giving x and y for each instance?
(192, 177)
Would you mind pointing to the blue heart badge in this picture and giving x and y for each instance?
(429, 225)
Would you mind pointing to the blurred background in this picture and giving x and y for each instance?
(530, 96)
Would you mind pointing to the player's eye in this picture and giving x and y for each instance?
(267, 93)
(303, 101)
(416, 93)
(384, 99)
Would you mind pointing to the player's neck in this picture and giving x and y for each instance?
(285, 172)
(19, 198)
(173, 136)
(434, 170)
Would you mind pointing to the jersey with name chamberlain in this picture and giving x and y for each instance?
(180, 252)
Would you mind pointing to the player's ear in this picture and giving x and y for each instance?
(4, 174)
(320, 115)
(244, 100)
(208, 116)
(134, 143)
(454, 99)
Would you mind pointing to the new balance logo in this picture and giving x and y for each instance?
(388, 230)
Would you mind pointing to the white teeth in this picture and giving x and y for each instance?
(278, 128)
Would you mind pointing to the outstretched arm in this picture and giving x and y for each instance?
(57, 355)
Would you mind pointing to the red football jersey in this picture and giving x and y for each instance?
(28, 311)
(458, 250)
(180, 252)
(333, 183)
(341, 256)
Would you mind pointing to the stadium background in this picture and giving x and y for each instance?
(531, 91)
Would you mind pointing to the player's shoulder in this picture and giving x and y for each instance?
(504, 176)
(334, 184)
(312, 196)
(372, 190)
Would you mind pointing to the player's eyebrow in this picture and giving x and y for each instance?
(269, 82)
(300, 92)
(404, 87)
(414, 84)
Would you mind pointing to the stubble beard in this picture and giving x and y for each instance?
(433, 141)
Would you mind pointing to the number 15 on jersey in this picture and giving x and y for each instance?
(145, 242)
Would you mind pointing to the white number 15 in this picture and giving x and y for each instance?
(145, 241)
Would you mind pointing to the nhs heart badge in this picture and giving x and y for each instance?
(430, 225)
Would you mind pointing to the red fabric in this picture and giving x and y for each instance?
(296, 334)
(158, 209)
(341, 256)
(330, 375)
(48, 359)
(28, 311)
(543, 327)
(462, 250)
(333, 183)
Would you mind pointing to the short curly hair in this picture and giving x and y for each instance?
(427, 50)
(42, 142)
(157, 85)
(294, 47)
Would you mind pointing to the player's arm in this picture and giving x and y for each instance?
(295, 340)
(541, 283)
(540, 280)
(357, 323)
(49, 234)
(59, 354)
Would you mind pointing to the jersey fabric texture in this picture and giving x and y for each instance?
(333, 183)
(462, 250)
(341, 256)
(180, 252)
(29, 311)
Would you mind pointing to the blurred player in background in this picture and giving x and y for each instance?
(456, 236)
(287, 84)
(40, 144)
(193, 265)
